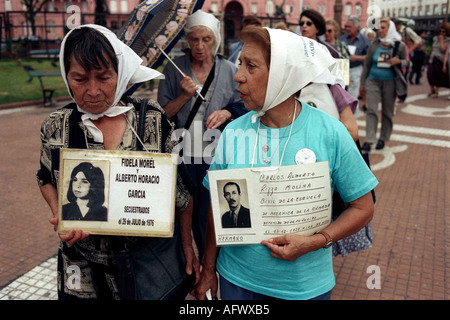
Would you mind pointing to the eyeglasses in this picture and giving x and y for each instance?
(330, 30)
(308, 23)
(442, 31)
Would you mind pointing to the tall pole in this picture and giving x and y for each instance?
(338, 12)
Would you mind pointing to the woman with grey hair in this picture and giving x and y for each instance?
(176, 94)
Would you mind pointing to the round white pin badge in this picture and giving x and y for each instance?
(305, 156)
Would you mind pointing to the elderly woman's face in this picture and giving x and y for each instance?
(383, 31)
(201, 41)
(93, 91)
(252, 76)
(308, 28)
(330, 33)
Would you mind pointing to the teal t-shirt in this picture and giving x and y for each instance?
(251, 267)
(379, 69)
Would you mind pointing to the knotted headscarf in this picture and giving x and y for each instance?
(130, 71)
(201, 18)
(295, 62)
(392, 35)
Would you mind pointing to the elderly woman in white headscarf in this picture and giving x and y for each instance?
(377, 82)
(176, 94)
(280, 130)
(97, 67)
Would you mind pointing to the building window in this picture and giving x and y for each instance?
(358, 10)
(348, 9)
(124, 6)
(436, 10)
(321, 9)
(269, 7)
(288, 9)
(214, 7)
(51, 27)
(113, 6)
(254, 8)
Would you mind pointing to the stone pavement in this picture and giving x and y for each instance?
(409, 256)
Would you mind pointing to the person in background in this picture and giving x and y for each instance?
(292, 266)
(312, 25)
(235, 49)
(282, 26)
(377, 81)
(418, 57)
(358, 44)
(332, 35)
(412, 42)
(97, 68)
(411, 39)
(437, 78)
(223, 104)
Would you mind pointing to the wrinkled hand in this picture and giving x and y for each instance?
(289, 247)
(208, 280)
(217, 118)
(192, 263)
(189, 86)
(71, 237)
(394, 60)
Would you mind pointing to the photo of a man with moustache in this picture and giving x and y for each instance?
(238, 216)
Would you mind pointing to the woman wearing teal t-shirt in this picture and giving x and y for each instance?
(275, 66)
(377, 80)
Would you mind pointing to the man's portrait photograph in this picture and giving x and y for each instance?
(234, 202)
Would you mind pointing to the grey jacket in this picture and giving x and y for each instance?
(368, 62)
(224, 88)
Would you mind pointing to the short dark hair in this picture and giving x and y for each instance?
(94, 175)
(231, 183)
(90, 48)
(317, 18)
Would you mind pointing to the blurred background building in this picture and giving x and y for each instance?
(35, 24)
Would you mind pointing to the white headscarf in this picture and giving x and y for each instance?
(295, 62)
(201, 18)
(391, 36)
(130, 71)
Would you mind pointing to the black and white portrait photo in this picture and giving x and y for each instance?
(86, 194)
(237, 214)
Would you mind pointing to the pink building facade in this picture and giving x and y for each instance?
(56, 16)
(290, 8)
(53, 18)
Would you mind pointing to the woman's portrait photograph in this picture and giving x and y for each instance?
(85, 194)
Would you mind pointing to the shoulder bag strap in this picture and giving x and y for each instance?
(198, 102)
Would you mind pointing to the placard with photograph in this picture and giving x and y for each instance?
(251, 205)
(117, 192)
